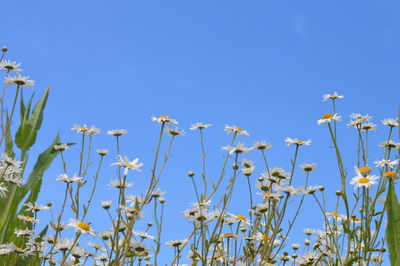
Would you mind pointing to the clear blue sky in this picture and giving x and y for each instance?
(262, 65)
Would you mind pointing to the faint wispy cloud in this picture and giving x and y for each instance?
(299, 27)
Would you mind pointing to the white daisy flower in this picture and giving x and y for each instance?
(164, 119)
(106, 204)
(143, 235)
(237, 130)
(64, 244)
(308, 167)
(389, 163)
(10, 66)
(19, 80)
(177, 243)
(390, 122)
(389, 144)
(174, 132)
(96, 246)
(120, 184)
(102, 152)
(240, 148)
(297, 142)
(261, 145)
(69, 180)
(28, 219)
(333, 96)
(327, 118)
(199, 125)
(368, 126)
(61, 147)
(128, 165)
(35, 207)
(117, 132)
(85, 129)
(82, 227)
(363, 181)
(24, 232)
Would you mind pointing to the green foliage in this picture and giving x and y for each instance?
(393, 225)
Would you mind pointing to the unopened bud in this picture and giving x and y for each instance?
(4, 49)
(338, 193)
(190, 174)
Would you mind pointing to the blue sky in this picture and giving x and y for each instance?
(262, 65)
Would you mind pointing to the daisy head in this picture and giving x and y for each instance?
(365, 170)
(390, 175)
(363, 181)
(200, 126)
(297, 142)
(333, 96)
(81, 227)
(308, 167)
(236, 130)
(164, 119)
(10, 66)
(388, 163)
(239, 148)
(117, 132)
(261, 145)
(174, 132)
(85, 129)
(369, 126)
(68, 180)
(19, 80)
(328, 117)
(391, 122)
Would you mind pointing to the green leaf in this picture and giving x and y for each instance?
(9, 143)
(393, 225)
(42, 164)
(30, 125)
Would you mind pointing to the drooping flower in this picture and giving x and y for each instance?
(174, 131)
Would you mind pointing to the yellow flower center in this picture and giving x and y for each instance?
(335, 213)
(164, 117)
(238, 129)
(28, 217)
(363, 180)
(228, 234)
(84, 226)
(390, 174)
(365, 170)
(326, 116)
(83, 128)
(241, 217)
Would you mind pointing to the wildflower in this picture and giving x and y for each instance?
(64, 244)
(68, 180)
(106, 204)
(179, 244)
(290, 190)
(81, 227)
(261, 145)
(14, 180)
(85, 129)
(388, 163)
(277, 172)
(102, 152)
(295, 246)
(297, 142)
(174, 132)
(368, 126)
(117, 132)
(79, 252)
(200, 126)
(327, 118)
(390, 175)
(333, 96)
(311, 190)
(366, 170)
(358, 119)
(389, 144)
(158, 193)
(61, 147)
(391, 122)
(121, 184)
(336, 215)
(35, 207)
(6, 160)
(24, 232)
(19, 80)
(3, 190)
(134, 200)
(105, 235)
(308, 167)
(124, 161)
(143, 235)
(247, 171)
(10, 66)
(164, 119)
(28, 219)
(363, 181)
(235, 129)
(138, 247)
(247, 163)
(240, 148)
